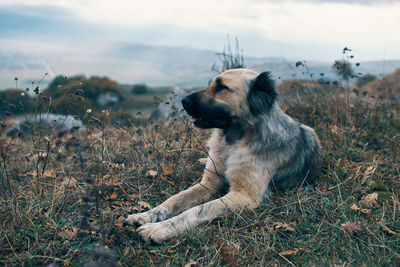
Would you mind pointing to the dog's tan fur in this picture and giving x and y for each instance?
(236, 164)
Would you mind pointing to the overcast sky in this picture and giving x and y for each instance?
(305, 29)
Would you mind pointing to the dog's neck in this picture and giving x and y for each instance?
(234, 132)
(273, 128)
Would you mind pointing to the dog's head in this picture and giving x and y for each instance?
(231, 98)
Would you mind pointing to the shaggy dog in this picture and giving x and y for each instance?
(255, 149)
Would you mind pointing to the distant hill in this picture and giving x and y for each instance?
(158, 66)
(387, 87)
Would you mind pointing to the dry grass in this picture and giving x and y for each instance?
(63, 197)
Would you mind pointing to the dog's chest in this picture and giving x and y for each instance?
(228, 157)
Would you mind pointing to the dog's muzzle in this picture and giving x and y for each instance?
(187, 101)
(206, 113)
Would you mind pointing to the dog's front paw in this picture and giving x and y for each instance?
(157, 232)
(139, 219)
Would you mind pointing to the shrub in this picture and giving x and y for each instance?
(343, 69)
(366, 78)
(139, 89)
(16, 101)
(73, 95)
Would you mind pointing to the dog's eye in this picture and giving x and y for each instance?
(221, 87)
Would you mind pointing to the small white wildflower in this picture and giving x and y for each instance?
(22, 94)
(89, 110)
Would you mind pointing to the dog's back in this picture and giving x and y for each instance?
(304, 163)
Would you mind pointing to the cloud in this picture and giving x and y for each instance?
(72, 34)
(350, 2)
(42, 10)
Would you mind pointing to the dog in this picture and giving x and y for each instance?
(255, 149)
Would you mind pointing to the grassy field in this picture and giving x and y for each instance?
(63, 196)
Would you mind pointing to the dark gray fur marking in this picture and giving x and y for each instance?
(234, 132)
(262, 94)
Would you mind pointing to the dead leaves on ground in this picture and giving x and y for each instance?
(51, 173)
(368, 173)
(119, 222)
(228, 251)
(280, 226)
(143, 204)
(291, 252)
(337, 132)
(113, 196)
(167, 170)
(152, 173)
(356, 208)
(370, 200)
(70, 184)
(351, 227)
(69, 234)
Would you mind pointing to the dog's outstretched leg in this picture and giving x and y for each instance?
(247, 187)
(193, 196)
(161, 231)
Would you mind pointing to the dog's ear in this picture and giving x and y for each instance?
(262, 93)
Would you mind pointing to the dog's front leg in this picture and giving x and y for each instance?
(200, 193)
(161, 231)
(246, 193)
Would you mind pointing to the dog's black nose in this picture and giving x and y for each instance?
(186, 101)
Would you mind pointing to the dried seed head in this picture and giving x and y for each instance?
(79, 92)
